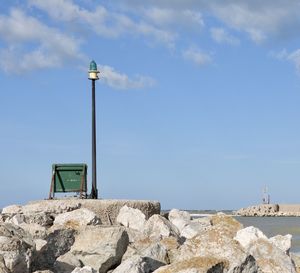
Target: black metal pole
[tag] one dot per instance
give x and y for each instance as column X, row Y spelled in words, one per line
column 94, row 164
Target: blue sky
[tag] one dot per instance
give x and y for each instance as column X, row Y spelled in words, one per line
column 197, row 105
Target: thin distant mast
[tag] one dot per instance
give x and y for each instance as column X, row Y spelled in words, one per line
column 266, row 196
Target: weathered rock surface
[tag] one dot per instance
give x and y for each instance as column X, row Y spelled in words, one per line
column 16, row 248
column 131, row 218
column 85, row 269
column 270, row 258
column 284, row 243
column 138, row 264
column 249, row 235
column 44, row 237
column 79, row 217
column 195, row 265
column 12, row 209
column 159, row 227
column 100, row 248
column 179, row 218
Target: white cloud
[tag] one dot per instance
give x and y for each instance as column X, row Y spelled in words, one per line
column 197, row 56
column 32, row 45
column 119, row 80
column 104, row 22
column 293, row 57
column 169, row 17
column 220, row 35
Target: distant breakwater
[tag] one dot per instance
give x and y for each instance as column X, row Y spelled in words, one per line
column 266, row 210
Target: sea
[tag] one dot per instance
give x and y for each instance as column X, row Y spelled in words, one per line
column 270, row 226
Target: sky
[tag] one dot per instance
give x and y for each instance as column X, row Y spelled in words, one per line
column 198, row 102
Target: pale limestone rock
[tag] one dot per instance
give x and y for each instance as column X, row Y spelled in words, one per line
column 79, row 217
column 39, row 244
column 16, row 248
column 17, row 219
column 100, row 247
column 138, row 264
column 270, row 258
column 35, row 230
column 282, row 242
column 58, row 243
column 217, row 242
column 51, row 206
column 223, row 220
column 196, row 265
column 248, row 235
column 12, row 209
column 66, row 263
column 3, row 268
column 159, row 227
column 154, row 250
column 131, row 218
column 194, row 228
column 44, row 219
column 43, row 271
column 85, row 269
column 179, row 218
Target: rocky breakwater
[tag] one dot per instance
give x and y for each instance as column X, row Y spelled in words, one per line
column 73, row 239
column 270, row 210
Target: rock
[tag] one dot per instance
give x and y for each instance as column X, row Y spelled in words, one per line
column 151, row 249
column 12, row 209
column 66, row 263
column 138, row 264
column 41, row 218
column 223, row 220
column 58, row 243
column 16, row 219
column 3, row 268
column 179, row 218
column 194, row 228
column 39, row 244
column 248, row 235
column 106, row 210
column 217, row 242
column 51, row 206
column 196, row 265
column 79, row 217
column 270, row 258
column 35, row 230
column 85, row 269
column 100, row 247
column 282, row 242
column 43, row 271
column 16, row 248
column 259, row 210
column 131, row 218
column 159, row 227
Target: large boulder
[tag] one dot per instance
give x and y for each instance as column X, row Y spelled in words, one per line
column 195, row 227
column 16, row 248
column 79, row 217
column 270, row 258
column 100, row 247
column 131, row 218
column 217, row 242
column 249, row 235
column 3, row 268
column 51, row 206
column 282, row 242
column 138, row 264
column 12, row 209
column 179, row 218
column 59, row 242
column 159, row 227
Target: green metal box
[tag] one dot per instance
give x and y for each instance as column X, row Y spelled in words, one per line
column 69, row 178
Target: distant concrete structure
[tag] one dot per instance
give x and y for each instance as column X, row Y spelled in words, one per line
column 266, row 199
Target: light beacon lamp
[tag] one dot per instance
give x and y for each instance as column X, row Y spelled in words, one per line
column 93, row 76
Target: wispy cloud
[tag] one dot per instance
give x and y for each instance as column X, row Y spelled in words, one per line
column 220, row 35
column 293, row 57
column 197, row 56
column 33, row 45
column 119, row 80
